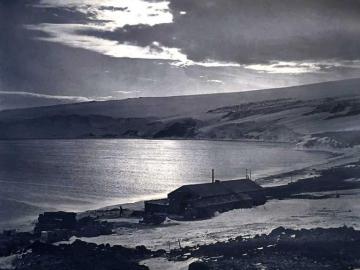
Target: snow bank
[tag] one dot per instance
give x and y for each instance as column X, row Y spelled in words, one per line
column 296, row 213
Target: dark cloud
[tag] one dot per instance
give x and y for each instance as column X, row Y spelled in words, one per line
column 25, row 63
column 242, row 31
column 254, row 31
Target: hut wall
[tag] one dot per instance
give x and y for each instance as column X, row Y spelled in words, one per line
column 178, row 201
column 258, row 197
column 156, row 207
column 208, row 210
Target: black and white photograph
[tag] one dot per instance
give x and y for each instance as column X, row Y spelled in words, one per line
column 179, row 134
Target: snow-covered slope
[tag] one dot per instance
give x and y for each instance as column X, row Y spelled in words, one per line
column 312, row 112
column 187, row 105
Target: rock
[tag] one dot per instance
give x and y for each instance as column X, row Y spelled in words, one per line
column 198, row 266
column 142, row 250
column 50, row 221
column 42, row 248
column 78, row 256
column 283, row 249
column 277, row 231
column 11, row 242
column 159, row 252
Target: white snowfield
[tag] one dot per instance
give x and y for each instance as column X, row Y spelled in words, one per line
column 294, row 213
column 189, row 106
column 327, row 112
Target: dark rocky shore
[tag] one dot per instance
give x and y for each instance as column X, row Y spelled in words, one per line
column 332, row 248
column 38, row 249
column 82, row 255
column 332, row 179
column 284, row 249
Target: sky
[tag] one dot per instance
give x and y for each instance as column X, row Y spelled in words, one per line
column 63, row 51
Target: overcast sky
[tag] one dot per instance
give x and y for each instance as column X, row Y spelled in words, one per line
column 54, row 51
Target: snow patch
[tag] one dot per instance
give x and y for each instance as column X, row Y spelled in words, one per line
column 319, row 143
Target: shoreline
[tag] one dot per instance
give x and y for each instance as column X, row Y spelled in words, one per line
column 320, row 207
column 260, row 233
column 335, row 159
column 340, row 159
column 152, row 139
column 281, row 248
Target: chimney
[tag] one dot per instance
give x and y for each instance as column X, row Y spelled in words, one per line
column 212, row 176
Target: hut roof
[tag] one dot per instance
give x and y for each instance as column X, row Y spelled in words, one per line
column 219, row 188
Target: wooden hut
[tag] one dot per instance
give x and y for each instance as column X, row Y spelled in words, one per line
column 201, row 200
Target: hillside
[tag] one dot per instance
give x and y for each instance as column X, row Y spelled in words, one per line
column 318, row 114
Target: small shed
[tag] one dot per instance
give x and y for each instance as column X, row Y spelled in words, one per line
column 157, row 206
column 50, row 221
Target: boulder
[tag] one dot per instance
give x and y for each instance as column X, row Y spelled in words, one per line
column 198, row 266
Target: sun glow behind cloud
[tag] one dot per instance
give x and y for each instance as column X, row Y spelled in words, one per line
column 68, row 34
column 110, row 15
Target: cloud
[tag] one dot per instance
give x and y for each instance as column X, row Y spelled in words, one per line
column 87, row 47
column 253, row 32
column 37, row 95
column 188, row 33
column 122, row 92
column 206, row 63
column 265, row 30
column 112, row 14
column 215, row 81
column 23, row 99
column 68, row 34
column 283, row 67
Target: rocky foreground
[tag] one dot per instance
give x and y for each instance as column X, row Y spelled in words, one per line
column 332, row 248
column 81, row 255
column 335, row 248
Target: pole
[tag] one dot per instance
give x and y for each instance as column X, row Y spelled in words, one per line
column 212, row 176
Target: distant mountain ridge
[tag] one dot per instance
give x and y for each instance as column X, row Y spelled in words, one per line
column 296, row 114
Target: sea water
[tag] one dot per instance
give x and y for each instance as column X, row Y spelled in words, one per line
column 75, row 175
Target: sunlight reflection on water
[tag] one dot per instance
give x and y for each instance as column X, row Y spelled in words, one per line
column 80, row 174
